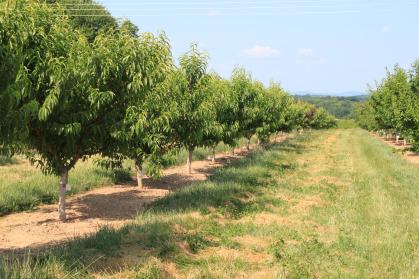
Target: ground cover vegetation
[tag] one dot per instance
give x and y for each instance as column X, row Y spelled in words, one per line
column 303, row 208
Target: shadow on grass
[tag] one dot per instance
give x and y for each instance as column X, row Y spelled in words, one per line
column 231, row 191
column 225, row 186
column 5, row 160
column 117, row 176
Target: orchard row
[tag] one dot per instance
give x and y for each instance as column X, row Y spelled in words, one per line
column 65, row 97
column 393, row 106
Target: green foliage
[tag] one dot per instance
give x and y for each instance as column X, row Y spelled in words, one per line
column 80, row 14
column 75, row 86
column 224, row 127
column 394, row 105
column 189, row 88
column 146, row 130
column 74, row 95
column 276, row 112
column 365, row 116
column 315, row 118
column 10, row 51
column 323, row 120
column 246, row 93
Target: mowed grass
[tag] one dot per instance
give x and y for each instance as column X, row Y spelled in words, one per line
column 23, row 187
column 329, row 204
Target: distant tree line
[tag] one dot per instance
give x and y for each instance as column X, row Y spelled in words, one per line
column 340, row 107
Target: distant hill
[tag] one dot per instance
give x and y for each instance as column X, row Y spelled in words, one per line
column 335, row 94
column 343, row 107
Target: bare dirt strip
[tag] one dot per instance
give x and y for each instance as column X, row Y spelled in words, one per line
column 404, row 149
column 111, row 206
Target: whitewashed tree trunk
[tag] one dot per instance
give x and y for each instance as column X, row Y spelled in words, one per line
column 189, row 161
column 139, row 171
column 213, row 155
column 404, row 142
column 61, row 199
column 397, row 139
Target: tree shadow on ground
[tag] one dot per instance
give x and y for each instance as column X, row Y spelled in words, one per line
column 227, row 190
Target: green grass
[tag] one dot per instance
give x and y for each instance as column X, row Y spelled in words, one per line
column 347, row 124
column 22, row 186
column 329, row 204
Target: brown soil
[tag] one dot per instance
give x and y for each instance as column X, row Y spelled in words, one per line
column 408, row 155
column 113, row 206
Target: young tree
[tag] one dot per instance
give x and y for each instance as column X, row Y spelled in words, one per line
column 273, row 110
column 246, row 93
column 411, row 119
column 364, row 116
column 224, row 128
column 146, row 131
column 195, row 116
column 322, row 119
column 74, row 94
column 382, row 102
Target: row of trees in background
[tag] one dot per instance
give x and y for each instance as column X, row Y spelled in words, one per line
column 67, row 94
column 340, row 107
column 393, row 106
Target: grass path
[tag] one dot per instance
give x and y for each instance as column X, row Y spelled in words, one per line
column 328, row 204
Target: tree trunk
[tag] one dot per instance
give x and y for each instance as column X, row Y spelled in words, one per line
column 213, row 155
column 139, row 171
column 248, row 144
column 189, row 160
column 397, row 139
column 404, row 142
column 61, row 199
column 232, row 151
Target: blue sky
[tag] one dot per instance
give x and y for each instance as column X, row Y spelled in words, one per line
column 324, row 46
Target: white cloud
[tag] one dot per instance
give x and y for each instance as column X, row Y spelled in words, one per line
column 262, row 51
column 305, row 53
column 308, row 56
column 386, row 29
